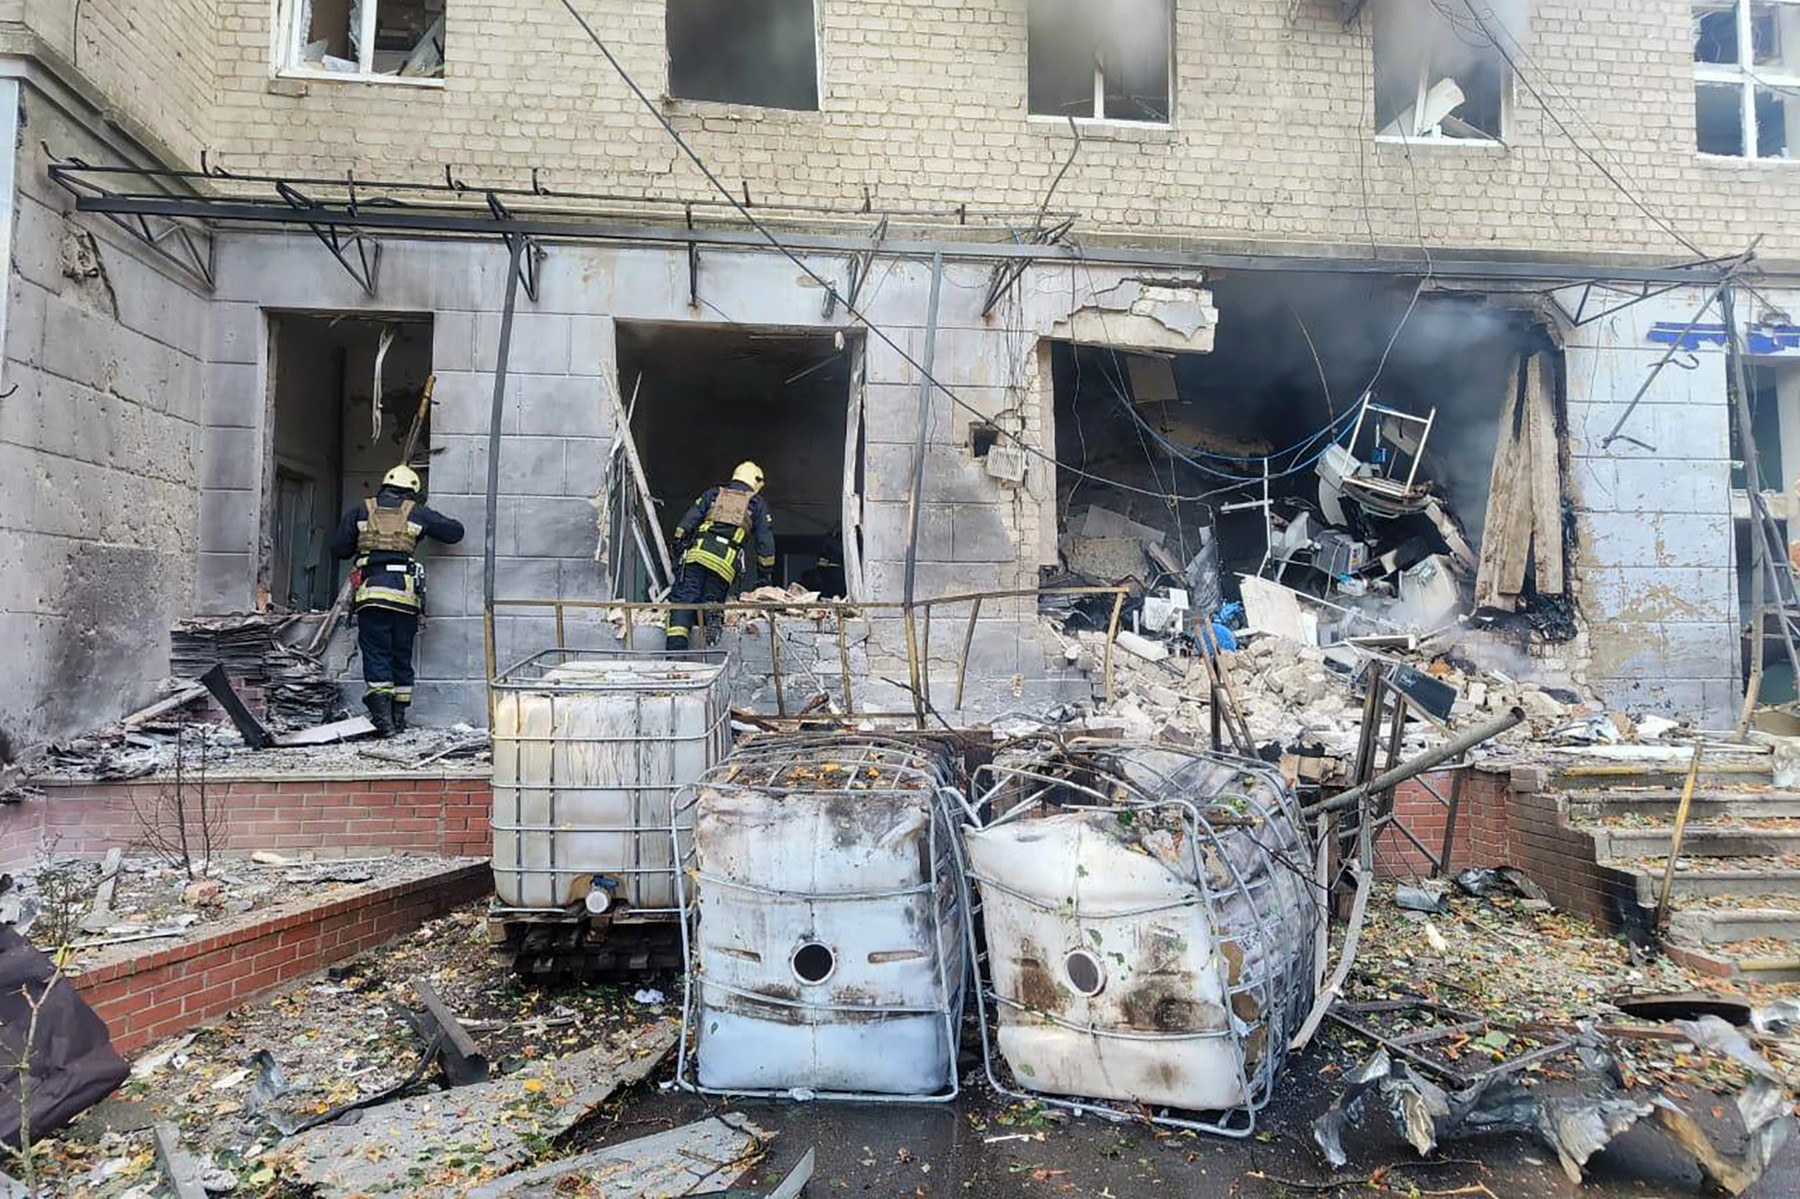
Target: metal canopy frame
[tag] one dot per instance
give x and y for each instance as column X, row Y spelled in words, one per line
column 125, row 193
column 177, row 240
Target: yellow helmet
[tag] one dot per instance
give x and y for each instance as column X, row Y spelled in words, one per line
column 403, row 477
column 749, row 473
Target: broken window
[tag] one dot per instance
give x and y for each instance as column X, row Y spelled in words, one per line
column 1439, row 72
column 399, row 39
column 1747, row 77
column 1100, row 59
column 761, row 52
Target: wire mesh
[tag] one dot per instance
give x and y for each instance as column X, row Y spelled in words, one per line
column 829, row 841
column 1228, row 833
column 590, row 748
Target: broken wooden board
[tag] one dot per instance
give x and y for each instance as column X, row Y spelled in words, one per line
column 326, row 734
column 704, row 1156
column 491, row 1125
column 163, row 707
column 1506, row 534
column 1546, row 477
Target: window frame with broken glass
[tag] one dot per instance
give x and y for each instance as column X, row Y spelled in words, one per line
column 420, row 64
column 1430, row 39
column 1098, row 104
column 1760, row 97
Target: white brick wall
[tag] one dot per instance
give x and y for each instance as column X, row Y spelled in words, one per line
column 156, row 59
column 924, row 103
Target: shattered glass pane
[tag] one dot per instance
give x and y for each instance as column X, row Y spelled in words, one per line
column 1777, row 122
column 1455, row 69
column 1719, row 118
column 1775, row 38
column 1715, row 32
column 409, row 38
column 761, row 52
column 329, row 36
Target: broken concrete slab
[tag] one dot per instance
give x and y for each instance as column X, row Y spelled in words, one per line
column 1108, row 558
column 495, row 1122
column 706, row 1155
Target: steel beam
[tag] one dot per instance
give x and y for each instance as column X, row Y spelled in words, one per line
column 464, row 223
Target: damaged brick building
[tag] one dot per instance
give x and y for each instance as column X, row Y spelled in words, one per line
column 243, row 234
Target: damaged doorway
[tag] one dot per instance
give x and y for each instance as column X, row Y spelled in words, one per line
column 333, row 442
column 1294, row 355
column 703, row 398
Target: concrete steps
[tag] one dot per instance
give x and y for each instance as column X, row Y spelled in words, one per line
column 1766, row 839
column 1736, row 892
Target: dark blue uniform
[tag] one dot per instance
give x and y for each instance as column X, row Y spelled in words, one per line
column 390, row 592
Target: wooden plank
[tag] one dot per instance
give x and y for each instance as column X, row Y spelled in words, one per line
column 1545, row 470
column 1506, row 536
column 622, row 431
column 326, row 734
column 161, row 707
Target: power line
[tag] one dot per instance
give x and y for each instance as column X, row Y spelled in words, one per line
column 776, row 243
column 1513, row 65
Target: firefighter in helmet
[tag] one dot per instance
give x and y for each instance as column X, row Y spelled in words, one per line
column 388, row 588
column 712, row 539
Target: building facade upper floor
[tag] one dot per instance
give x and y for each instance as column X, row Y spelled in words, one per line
column 1649, row 128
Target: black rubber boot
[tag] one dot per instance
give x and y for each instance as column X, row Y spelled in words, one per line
column 400, row 708
column 381, row 712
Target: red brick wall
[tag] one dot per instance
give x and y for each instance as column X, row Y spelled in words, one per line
column 1495, row 826
column 163, row 992
column 439, row 815
column 1483, row 830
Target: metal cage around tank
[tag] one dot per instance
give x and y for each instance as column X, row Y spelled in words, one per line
column 1238, row 863
column 821, row 1006
column 590, row 748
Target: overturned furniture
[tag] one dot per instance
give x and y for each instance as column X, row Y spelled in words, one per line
column 824, row 921
column 590, row 748
column 1149, row 930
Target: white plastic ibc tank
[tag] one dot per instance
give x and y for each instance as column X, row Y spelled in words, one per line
column 828, row 935
column 1148, row 928
column 589, row 752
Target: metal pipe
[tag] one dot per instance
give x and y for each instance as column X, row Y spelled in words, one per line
column 926, row 381
column 1436, row 756
column 926, row 359
column 516, row 248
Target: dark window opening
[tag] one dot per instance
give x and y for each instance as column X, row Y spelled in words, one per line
column 328, row 454
column 982, row 438
column 1099, row 59
column 1435, row 77
column 761, row 52
column 711, row 396
column 1719, row 119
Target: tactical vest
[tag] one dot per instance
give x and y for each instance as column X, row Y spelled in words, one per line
column 396, row 585
column 720, row 536
column 386, row 530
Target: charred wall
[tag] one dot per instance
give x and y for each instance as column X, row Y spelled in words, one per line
column 100, row 412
